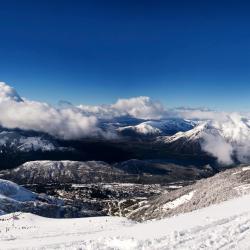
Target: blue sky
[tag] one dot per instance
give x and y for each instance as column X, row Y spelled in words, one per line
column 183, row 53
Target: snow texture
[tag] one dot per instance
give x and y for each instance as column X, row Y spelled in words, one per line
column 221, row 226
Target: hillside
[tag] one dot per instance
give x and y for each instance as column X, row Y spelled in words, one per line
column 223, row 186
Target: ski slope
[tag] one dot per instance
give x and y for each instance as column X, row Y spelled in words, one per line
column 222, row 226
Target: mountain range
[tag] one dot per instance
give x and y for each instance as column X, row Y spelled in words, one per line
column 216, row 143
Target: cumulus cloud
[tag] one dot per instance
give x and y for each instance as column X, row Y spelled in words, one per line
column 141, row 107
column 66, row 123
column 101, row 111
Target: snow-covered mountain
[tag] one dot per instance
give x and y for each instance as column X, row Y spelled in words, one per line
column 63, row 172
column 189, row 141
column 90, row 172
column 160, row 127
column 232, row 131
column 16, row 141
column 226, row 140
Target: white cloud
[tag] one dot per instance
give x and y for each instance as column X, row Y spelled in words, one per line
column 102, row 111
column 199, row 114
column 141, row 107
column 218, row 147
column 68, row 123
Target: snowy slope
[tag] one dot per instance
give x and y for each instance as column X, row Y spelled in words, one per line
column 223, row 186
column 12, row 191
column 16, row 198
column 223, row 226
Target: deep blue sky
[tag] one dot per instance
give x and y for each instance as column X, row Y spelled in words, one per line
column 194, row 53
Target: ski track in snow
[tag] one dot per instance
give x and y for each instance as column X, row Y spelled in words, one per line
column 222, row 226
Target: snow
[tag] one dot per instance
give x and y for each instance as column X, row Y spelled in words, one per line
column 222, row 226
column 175, row 186
column 36, row 144
column 10, row 190
column 17, row 198
column 179, row 201
column 243, row 169
column 246, row 168
column 243, row 188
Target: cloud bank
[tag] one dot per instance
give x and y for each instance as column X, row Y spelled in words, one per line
column 68, row 123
